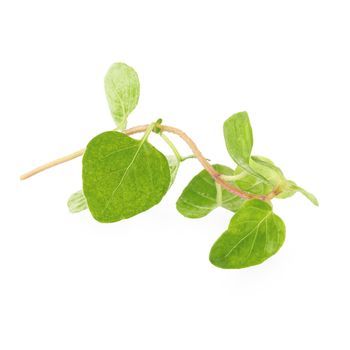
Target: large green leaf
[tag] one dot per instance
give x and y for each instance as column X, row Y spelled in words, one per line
column 201, row 196
column 122, row 176
column 255, row 233
column 122, row 88
column 239, row 141
column 77, row 202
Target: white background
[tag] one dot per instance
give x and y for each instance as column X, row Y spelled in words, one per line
column 68, row 282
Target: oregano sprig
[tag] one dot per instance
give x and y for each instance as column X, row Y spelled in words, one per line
column 123, row 176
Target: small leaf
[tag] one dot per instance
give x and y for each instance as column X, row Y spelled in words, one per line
column 290, row 187
column 123, row 177
column 255, row 233
column 307, row 194
column 122, row 89
column 199, row 197
column 266, row 168
column 239, row 138
column 77, row 202
column 174, row 165
column 239, row 141
column 267, row 163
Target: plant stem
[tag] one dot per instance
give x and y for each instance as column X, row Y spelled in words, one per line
column 52, row 164
column 218, row 194
column 76, row 154
column 234, row 177
column 188, row 157
column 197, row 153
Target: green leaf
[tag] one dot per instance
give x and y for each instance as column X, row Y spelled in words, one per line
column 255, row 233
column 307, row 194
column 239, row 138
column 200, row 196
column 266, row 168
column 123, row 177
column 239, row 141
column 77, row 202
column 267, row 163
column 289, row 188
column 122, row 88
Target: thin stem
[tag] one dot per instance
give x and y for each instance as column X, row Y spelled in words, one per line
column 206, row 165
column 188, row 157
column 234, row 177
column 172, row 146
column 53, row 163
column 148, row 132
column 76, row 154
column 218, row 194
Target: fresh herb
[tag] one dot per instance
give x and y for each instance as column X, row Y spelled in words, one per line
column 123, row 177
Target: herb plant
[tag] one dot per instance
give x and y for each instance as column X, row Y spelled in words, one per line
column 123, row 177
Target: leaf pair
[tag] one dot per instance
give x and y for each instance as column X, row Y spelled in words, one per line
column 254, row 174
column 122, row 88
column 139, row 177
column 251, row 175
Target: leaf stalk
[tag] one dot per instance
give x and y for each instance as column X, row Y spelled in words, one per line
column 172, row 146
